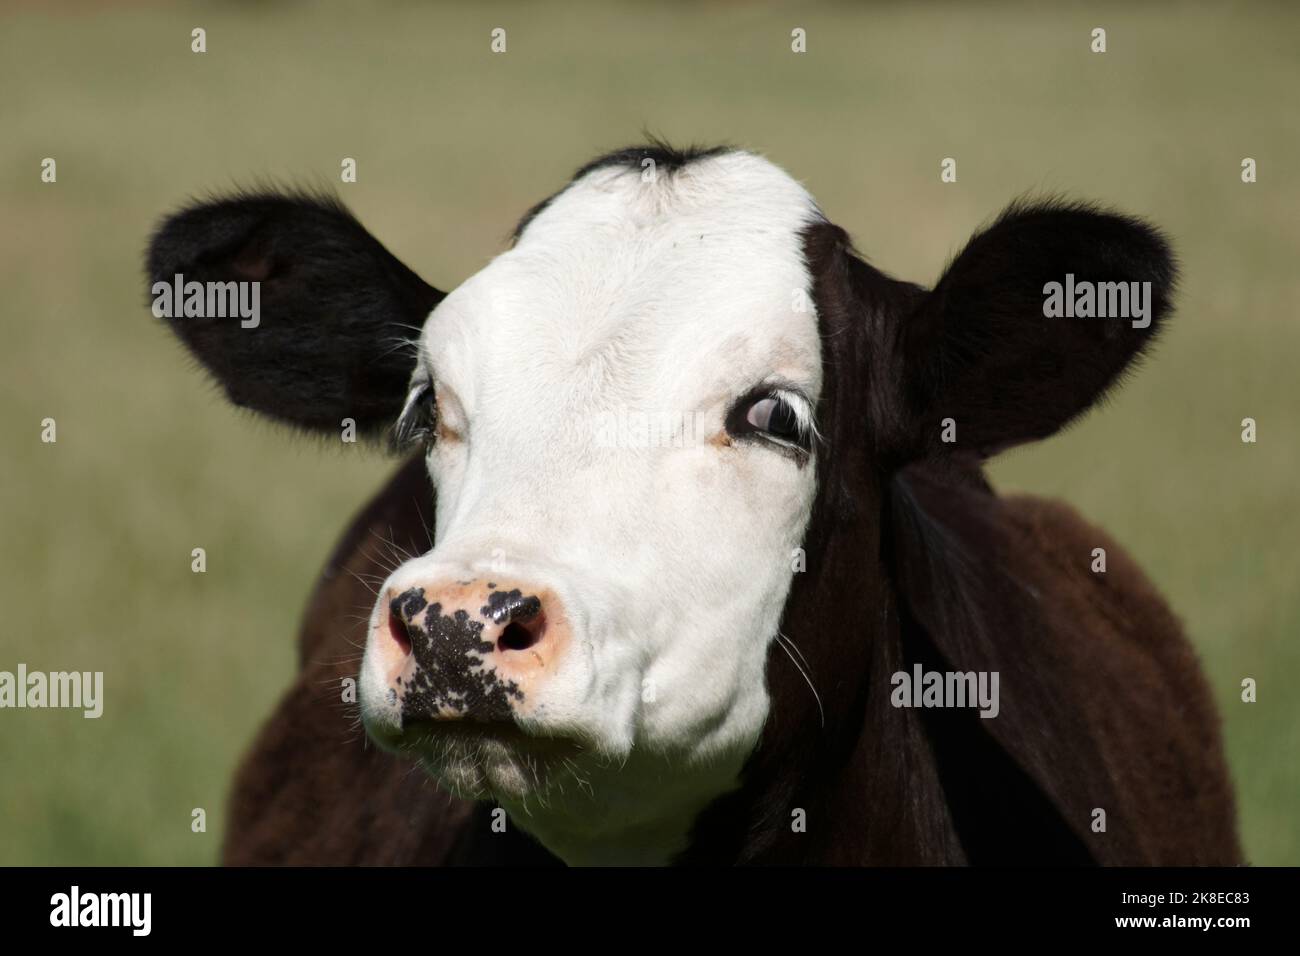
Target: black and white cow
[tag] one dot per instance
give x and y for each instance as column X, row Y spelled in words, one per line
column 683, row 642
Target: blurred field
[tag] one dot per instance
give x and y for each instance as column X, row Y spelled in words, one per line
column 453, row 144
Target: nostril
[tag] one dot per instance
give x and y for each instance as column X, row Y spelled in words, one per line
column 519, row 637
column 397, row 630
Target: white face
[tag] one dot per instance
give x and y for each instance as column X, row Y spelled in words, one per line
column 663, row 555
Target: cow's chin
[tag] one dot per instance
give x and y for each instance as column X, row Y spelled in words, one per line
column 584, row 798
column 493, row 762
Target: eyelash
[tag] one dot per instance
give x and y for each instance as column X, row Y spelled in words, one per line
column 417, row 425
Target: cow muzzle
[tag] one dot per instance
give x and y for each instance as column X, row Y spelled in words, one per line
column 460, row 651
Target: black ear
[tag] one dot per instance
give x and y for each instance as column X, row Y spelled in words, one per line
column 334, row 307
column 982, row 349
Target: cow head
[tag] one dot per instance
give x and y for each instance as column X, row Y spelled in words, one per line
column 677, row 395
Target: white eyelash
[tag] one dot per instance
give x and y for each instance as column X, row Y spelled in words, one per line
column 415, row 395
column 405, row 433
column 803, row 413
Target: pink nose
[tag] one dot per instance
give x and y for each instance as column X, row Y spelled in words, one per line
column 468, row 649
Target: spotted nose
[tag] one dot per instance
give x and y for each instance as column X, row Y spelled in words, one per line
column 471, row 650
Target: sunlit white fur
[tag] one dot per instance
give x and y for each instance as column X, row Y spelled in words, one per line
column 670, row 298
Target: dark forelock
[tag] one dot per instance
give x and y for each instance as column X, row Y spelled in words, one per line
column 667, row 159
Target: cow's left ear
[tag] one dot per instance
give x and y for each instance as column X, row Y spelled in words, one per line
column 335, row 310
column 1010, row 344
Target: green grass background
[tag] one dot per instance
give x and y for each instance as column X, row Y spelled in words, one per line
column 453, row 143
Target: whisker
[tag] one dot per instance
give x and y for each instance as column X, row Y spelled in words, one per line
column 782, row 641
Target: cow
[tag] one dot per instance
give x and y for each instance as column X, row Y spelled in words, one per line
column 710, row 496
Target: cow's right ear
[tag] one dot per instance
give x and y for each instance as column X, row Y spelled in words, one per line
column 327, row 309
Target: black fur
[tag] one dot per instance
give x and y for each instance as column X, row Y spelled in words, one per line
column 979, row 350
column 338, row 310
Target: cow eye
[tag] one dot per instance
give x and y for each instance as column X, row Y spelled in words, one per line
column 771, row 417
column 775, row 417
column 419, row 419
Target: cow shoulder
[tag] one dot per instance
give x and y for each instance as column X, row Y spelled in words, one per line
column 1148, row 702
